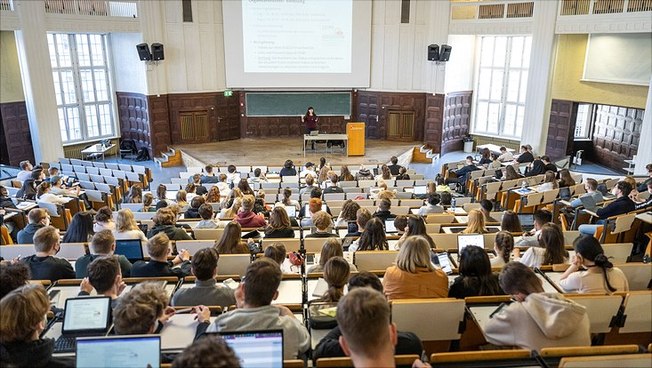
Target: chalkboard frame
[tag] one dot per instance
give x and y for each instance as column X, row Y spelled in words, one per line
column 300, row 108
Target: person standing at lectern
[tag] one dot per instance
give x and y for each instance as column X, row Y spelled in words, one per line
column 310, row 120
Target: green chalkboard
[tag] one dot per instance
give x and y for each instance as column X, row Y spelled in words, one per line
column 296, row 103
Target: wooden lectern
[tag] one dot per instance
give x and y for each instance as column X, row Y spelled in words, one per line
column 356, row 139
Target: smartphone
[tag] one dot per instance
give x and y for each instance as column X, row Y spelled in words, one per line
column 310, row 258
column 53, row 294
column 441, row 259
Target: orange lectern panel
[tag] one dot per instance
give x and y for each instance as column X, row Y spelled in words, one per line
column 356, row 144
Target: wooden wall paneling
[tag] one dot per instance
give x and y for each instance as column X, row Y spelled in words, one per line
column 228, row 117
column 372, row 108
column 457, row 112
column 133, row 116
column 433, row 121
column 561, row 129
column 159, row 123
column 203, row 103
column 368, row 112
column 616, row 135
column 18, row 139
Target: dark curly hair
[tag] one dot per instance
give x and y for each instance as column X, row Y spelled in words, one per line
column 12, row 276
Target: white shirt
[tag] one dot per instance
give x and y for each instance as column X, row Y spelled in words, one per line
column 232, row 178
column 308, row 172
column 24, row 175
column 53, row 198
column 507, row 156
column 129, row 234
column 592, row 282
column 533, row 257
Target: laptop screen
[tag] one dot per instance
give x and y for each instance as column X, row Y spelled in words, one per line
column 130, row 248
column 257, row 349
column 119, row 351
column 464, row 240
column 441, row 260
column 87, row 315
column 389, row 226
column 291, row 210
column 420, row 190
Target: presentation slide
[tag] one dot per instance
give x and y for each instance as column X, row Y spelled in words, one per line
column 297, row 44
column 86, row 314
column 297, row 36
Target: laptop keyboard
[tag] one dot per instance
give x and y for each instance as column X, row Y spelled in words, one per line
column 64, row 344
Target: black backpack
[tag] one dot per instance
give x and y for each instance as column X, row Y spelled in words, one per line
column 143, row 155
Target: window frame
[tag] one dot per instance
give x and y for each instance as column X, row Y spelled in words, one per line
column 80, row 104
column 502, row 101
column 589, row 123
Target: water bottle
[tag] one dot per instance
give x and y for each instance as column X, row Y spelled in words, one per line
column 524, row 186
column 453, row 204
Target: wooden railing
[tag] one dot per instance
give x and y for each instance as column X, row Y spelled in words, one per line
column 492, row 10
column 106, row 8
column 586, row 7
column 6, row 5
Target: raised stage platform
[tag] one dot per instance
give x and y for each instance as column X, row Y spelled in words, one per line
column 261, row 151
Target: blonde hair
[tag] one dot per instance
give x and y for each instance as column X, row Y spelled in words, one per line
column 22, row 309
column 46, row 238
column 248, row 202
column 158, row 245
column 414, row 253
column 138, row 310
column 476, row 223
column 235, row 206
column 164, row 216
column 125, row 220
column 321, row 220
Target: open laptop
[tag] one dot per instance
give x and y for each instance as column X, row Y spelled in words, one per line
column 291, row 210
column 132, row 249
column 589, row 203
column 420, row 190
column 389, row 226
column 464, row 240
column 314, row 132
column 256, row 349
column 136, row 351
column 86, row 316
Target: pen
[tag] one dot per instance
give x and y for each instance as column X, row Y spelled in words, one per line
column 184, row 310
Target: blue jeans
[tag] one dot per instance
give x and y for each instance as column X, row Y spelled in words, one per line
column 589, row 229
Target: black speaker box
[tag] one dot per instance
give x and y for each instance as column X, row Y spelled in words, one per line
column 433, row 52
column 445, row 54
column 143, row 52
column 157, row 51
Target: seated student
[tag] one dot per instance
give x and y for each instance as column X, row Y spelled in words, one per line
column 476, row 278
column 394, row 168
column 231, row 211
column 531, row 238
column 102, row 244
column 332, row 248
column 164, row 222
column 591, row 271
column 103, row 220
column 384, row 173
column 148, row 203
column 144, row 310
column 537, row 167
column 245, row 188
column 382, row 192
column 80, row 229
column 104, row 275
column 345, row 174
column 441, row 186
column 549, row 182
column 495, row 164
column 260, row 208
column 364, row 174
column 214, row 195
column 525, row 156
column 246, row 217
column 329, row 346
column 536, row 319
column 565, row 179
column 206, row 290
column 384, row 210
column 25, row 172
column 231, row 240
column 288, row 201
column 37, row 218
column 288, row 169
column 486, row 207
column 415, row 225
column 550, row 250
column 591, row 187
column 158, row 264
column 135, row 194
column 310, row 185
column 548, row 165
column 505, row 155
column 232, row 177
column 476, row 224
column 362, row 216
column 621, row 205
column 254, row 296
column 414, row 275
column 206, row 214
column 278, row 253
column 5, row 199
column 323, row 224
column 446, row 199
column 193, row 210
column 44, row 265
column 432, row 205
column 309, row 169
column 372, row 237
column 461, row 173
column 402, row 174
column 279, row 224
column 126, row 226
column 209, row 351
column 510, row 222
column 400, row 222
column 314, row 205
column 485, row 157
column 648, row 202
column 45, row 194
column 511, row 173
column 209, row 176
column 28, row 189
column 22, row 320
column 12, row 276
column 331, row 185
column 368, row 335
column 336, row 274
column 503, row 246
column 642, row 187
column 223, row 186
column 347, row 214
column 182, row 198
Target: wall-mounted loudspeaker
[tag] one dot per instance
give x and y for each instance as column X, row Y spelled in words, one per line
column 433, row 52
column 445, row 53
column 157, row 51
column 143, row 52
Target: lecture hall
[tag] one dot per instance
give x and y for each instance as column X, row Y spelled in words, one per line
column 325, row 183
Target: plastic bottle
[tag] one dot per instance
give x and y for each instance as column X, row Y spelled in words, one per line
column 453, row 204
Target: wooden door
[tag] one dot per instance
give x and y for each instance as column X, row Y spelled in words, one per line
column 400, row 125
column 561, row 129
column 194, row 126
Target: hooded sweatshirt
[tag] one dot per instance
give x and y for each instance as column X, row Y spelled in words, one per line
column 543, row 320
column 36, row 353
column 296, row 339
column 250, row 219
column 173, row 232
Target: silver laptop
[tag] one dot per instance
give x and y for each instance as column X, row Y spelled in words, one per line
column 314, row 132
column 589, row 203
column 464, row 240
column 85, row 316
column 256, row 349
column 119, row 351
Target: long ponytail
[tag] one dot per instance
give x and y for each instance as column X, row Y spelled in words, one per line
column 603, row 262
column 590, row 248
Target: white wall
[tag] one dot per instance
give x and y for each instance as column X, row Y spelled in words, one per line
column 128, row 70
column 460, row 67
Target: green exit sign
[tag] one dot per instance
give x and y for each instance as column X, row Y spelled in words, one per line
column 228, row 93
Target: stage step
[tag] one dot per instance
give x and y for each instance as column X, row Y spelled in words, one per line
column 425, row 155
column 170, row 158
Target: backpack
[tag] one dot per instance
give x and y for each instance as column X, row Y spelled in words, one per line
column 143, row 155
